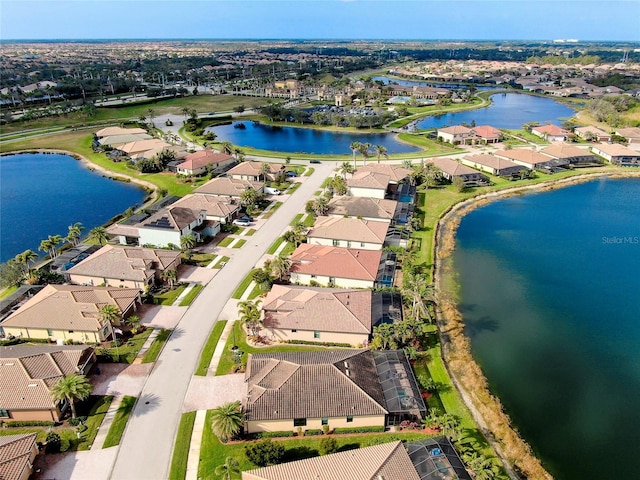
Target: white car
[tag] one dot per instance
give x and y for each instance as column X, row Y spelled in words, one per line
column 241, row 222
column 271, row 191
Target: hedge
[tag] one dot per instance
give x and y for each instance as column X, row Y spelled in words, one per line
column 313, row 432
column 30, row 423
column 359, row 430
column 324, row 344
column 258, row 435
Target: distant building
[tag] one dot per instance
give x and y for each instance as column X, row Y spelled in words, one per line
column 451, row 169
column 569, row 153
column 348, row 232
column 492, row 164
column 201, row 162
column 632, row 134
column 530, row 158
column 592, row 133
column 551, row 133
column 617, row 154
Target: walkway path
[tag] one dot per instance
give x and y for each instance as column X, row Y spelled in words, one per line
column 194, row 450
column 106, row 423
column 155, row 418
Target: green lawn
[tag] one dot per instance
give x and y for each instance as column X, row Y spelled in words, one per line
column 431, row 147
column 8, row 291
column 309, row 172
column 256, row 291
column 119, row 422
column 169, row 297
column 201, row 259
column 209, row 348
column 309, row 220
column 156, row 346
column 129, row 350
column 224, row 260
column 226, row 241
column 530, row 137
column 296, row 219
column 274, row 246
column 250, row 232
column 190, row 297
column 294, row 186
column 239, row 243
column 272, row 210
column 181, row 448
column 244, row 284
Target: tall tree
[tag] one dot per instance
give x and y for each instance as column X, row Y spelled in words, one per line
column 320, row 206
column 74, row 233
column 25, row 258
column 99, row 235
column 187, row 242
column 71, row 388
column 226, row 420
column 249, row 197
column 280, row 266
column 170, row 276
column 228, row 468
column 109, row 313
column 355, row 148
column 381, row 151
column 265, row 170
column 365, row 151
column 250, row 316
column 419, row 293
column 346, row 168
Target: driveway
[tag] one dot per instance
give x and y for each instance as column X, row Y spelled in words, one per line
column 193, row 274
column 86, row 465
column 120, row 379
column 159, row 316
column 205, row 393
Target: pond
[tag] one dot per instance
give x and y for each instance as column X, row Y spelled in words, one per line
column 41, row 194
column 451, row 86
column 507, row 110
column 304, row 140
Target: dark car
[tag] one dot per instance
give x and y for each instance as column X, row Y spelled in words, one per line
column 291, row 174
column 314, row 161
column 247, row 218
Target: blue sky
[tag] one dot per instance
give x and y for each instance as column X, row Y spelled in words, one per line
column 321, row 19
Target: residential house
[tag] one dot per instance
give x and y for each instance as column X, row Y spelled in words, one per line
column 70, row 313
column 216, row 209
column 122, row 266
column 617, row 154
column 456, row 134
column 530, row 158
column 368, row 184
column 551, row 133
column 632, row 134
column 204, row 161
column 487, row 134
column 17, row 454
column 111, row 131
column 140, row 149
column 335, row 267
column 571, row 154
column 230, row 188
column 451, row 169
column 592, row 133
column 432, row 458
column 27, row 374
column 338, row 388
column 396, row 173
column 252, row 171
column 167, row 227
column 348, row 232
column 318, row 314
column 115, row 141
column 492, row 164
column 367, row 208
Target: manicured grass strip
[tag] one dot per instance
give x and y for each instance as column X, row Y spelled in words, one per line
column 309, row 172
column 275, row 245
column 210, row 347
column 288, row 249
column 296, row 219
column 156, row 346
column 226, row 241
column 255, row 292
column 220, row 262
column 128, row 351
column 202, row 259
column 180, row 456
column 272, row 210
column 8, row 291
column 250, row 232
column 119, row 422
column 244, row 284
column 190, row 297
column 293, row 188
column 239, row 243
column 169, row 297
column 309, row 220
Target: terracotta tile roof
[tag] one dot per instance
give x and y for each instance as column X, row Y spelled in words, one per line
column 116, row 140
column 452, row 167
column 129, row 263
column 15, row 453
column 202, row 158
column 552, row 130
column 70, row 307
column 324, row 309
column 491, row 161
column 365, row 179
column 225, row 186
column 389, row 461
column 525, row 155
column 214, row 206
column 143, row 146
column 350, row 229
column 312, row 385
column 26, row 378
column 594, row 130
column 253, row 168
column 363, row 207
column 564, row 150
column 108, row 131
column 615, row 149
column 455, row 130
column 631, row 132
column 395, row 172
column 486, row 131
column 336, row 262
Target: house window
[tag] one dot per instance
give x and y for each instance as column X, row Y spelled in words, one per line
column 316, row 334
column 294, row 330
column 336, row 243
column 70, row 331
column 299, row 422
column 348, row 244
column 49, row 332
column 325, row 421
column 314, row 276
column 350, row 419
column 362, row 244
column 4, row 413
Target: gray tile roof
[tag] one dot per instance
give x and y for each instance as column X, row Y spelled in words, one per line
column 365, row 207
column 331, row 383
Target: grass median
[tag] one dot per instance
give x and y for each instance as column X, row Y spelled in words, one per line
column 210, row 348
column 119, row 422
column 180, row 455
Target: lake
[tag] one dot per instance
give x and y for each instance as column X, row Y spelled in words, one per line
column 305, row 140
column 550, row 295
column 451, row 86
column 41, row 194
column 507, row 110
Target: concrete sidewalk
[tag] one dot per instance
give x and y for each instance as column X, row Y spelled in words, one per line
column 194, row 450
column 106, row 423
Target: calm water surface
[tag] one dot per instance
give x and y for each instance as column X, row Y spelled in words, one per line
column 550, row 292
column 305, row 140
column 410, row 83
column 507, row 110
column 41, row 194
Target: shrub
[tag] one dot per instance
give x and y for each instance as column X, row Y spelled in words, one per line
column 264, row 452
column 74, row 422
column 30, row 423
column 313, row 432
column 53, row 443
column 258, row 435
column 359, row 429
column 326, row 344
column 328, row 445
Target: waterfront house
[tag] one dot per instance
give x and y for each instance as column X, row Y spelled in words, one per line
column 112, row 131
column 17, row 454
column 368, row 184
column 124, row 266
column 396, row 173
column 617, row 154
column 551, row 133
column 166, row 227
column 70, row 313
column 330, row 315
column 338, row 388
column 486, row 134
column 252, row 171
column 451, row 169
column 230, row 188
column 456, row 134
column 335, row 266
column 217, row 209
column 367, row 208
column 204, row 161
column 529, row 158
column 27, row 374
column 348, row 232
column 570, row 154
column 140, row 149
column 492, row 164
column 631, row 134
column 592, row 133
column 114, row 141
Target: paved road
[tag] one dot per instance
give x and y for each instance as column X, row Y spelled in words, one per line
column 145, row 450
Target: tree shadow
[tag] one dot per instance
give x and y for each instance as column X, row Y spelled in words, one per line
column 474, row 327
column 349, row 446
column 145, row 404
column 299, row 453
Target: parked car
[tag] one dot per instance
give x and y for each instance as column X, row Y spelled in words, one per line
column 241, row 222
column 291, row 174
column 314, row 161
column 271, row 191
column 247, row 217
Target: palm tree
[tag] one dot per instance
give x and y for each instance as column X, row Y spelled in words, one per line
column 339, row 185
column 365, row 150
column 187, row 242
column 250, row 315
column 109, row 313
column 280, row 266
column 265, row 170
column 419, row 293
column 229, row 467
column 226, row 420
column 75, row 231
column 380, row 151
column 25, row 258
column 249, row 197
column 99, row 235
column 227, row 147
column 49, row 245
column 71, row 388
column 355, row 148
column 152, row 114
column 186, row 112
column 170, row 276
column 346, row 168
column 320, row 206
